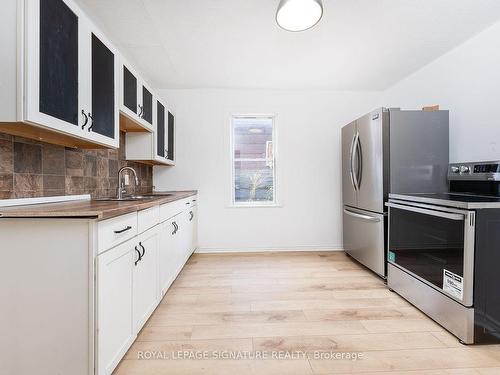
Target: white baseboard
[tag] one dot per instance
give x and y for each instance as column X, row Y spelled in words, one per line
column 204, row 250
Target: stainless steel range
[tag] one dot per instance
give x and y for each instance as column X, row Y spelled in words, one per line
column 444, row 251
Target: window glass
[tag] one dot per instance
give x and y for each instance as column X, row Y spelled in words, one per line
column 253, row 162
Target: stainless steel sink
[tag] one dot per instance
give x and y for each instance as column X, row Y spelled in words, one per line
column 114, row 199
column 129, row 198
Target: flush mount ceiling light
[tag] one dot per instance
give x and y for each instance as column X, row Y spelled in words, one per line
column 299, row 15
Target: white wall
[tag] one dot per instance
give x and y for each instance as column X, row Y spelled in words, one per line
column 467, row 82
column 309, row 177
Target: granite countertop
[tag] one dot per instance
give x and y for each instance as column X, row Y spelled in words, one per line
column 90, row 208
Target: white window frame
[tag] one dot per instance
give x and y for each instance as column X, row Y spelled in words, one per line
column 275, row 201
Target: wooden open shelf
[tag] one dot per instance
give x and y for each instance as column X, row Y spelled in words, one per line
column 129, row 125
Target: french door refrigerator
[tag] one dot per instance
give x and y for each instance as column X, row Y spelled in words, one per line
column 388, row 151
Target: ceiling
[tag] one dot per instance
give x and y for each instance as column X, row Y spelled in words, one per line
column 358, row 45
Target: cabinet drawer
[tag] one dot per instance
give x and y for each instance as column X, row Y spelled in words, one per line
column 194, row 200
column 171, row 209
column 148, row 218
column 185, row 204
column 114, row 231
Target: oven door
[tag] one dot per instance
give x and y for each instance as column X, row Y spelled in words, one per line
column 434, row 244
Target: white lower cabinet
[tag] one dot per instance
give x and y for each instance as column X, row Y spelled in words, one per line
column 133, row 275
column 193, row 229
column 114, row 306
column 167, row 256
column 188, row 238
column 145, row 277
column 88, row 300
column 180, row 241
column 186, row 235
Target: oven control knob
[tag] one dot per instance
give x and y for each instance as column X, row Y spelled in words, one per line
column 464, row 169
column 455, row 169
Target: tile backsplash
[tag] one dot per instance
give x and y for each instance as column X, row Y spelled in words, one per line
column 31, row 168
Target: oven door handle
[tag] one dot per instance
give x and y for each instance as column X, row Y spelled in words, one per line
column 446, row 215
column 361, row 216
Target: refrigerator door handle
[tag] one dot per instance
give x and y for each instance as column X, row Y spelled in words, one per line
column 359, row 155
column 354, row 154
column 351, row 161
column 361, row 216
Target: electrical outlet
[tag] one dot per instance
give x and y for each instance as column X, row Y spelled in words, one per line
column 126, row 179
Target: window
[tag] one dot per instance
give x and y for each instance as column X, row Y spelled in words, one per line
column 253, row 161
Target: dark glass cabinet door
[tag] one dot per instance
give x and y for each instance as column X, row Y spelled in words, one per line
column 171, row 136
column 426, row 245
column 160, row 129
column 147, row 102
column 58, row 95
column 103, row 89
column 129, row 90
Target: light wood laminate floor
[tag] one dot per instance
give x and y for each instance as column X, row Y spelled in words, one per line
column 308, row 303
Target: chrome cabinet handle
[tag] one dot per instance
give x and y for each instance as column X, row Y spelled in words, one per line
column 142, row 110
column 176, row 227
column 91, row 122
column 143, row 249
column 86, row 119
column 128, row 227
column 139, row 258
column 192, row 215
column 361, row 216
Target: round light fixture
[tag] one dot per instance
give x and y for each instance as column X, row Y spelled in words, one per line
column 299, row 15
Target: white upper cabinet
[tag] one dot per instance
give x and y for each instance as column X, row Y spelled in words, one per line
column 56, row 71
column 171, row 138
column 163, row 148
column 136, row 104
column 66, row 83
column 146, row 94
column 156, row 147
column 104, row 124
column 71, row 73
column 160, row 144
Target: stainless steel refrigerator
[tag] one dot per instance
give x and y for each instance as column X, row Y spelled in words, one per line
column 388, row 151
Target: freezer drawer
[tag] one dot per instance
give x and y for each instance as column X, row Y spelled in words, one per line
column 364, row 238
